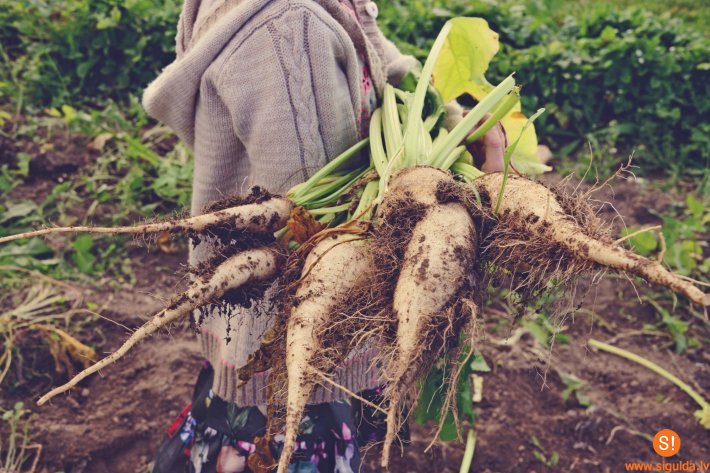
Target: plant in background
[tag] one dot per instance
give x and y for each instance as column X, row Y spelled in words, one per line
column 431, row 406
column 135, row 169
column 623, row 79
column 542, row 457
column 682, row 234
column 70, row 51
column 702, row 414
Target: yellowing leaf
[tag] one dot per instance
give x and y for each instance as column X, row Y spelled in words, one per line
column 525, row 158
column 460, row 69
column 464, row 59
column 53, row 112
column 64, row 348
column 69, row 113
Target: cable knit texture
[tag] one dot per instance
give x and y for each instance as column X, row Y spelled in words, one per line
column 266, row 92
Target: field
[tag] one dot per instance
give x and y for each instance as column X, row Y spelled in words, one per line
column 75, row 148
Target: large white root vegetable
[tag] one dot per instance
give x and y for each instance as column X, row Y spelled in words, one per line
column 435, row 270
column 258, row 264
column 334, row 269
column 263, row 217
column 531, row 209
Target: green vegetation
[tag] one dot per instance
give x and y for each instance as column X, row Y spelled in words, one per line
column 624, row 80
column 679, row 242
column 70, row 51
column 135, row 170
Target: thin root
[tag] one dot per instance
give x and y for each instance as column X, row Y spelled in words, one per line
column 350, row 393
column 266, row 216
column 257, row 264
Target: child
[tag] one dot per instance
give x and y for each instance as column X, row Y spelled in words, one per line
column 266, row 92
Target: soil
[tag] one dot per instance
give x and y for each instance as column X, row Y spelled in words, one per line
column 114, row 422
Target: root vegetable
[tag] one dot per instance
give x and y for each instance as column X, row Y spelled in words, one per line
column 532, row 210
column 434, row 272
column 335, row 267
column 253, row 265
column 264, row 217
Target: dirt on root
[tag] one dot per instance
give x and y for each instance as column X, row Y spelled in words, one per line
column 114, row 422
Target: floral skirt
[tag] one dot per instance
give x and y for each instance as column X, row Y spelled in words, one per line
column 214, row 436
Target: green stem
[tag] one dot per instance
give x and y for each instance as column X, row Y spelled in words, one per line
column 390, row 121
column 460, row 131
column 468, row 453
column 509, row 154
column 503, row 108
column 653, row 367
column 326, row 219
column 367, row 199
column 414, row 117
column 325, row 189
column 326, row 170
column 281, row 232
column 451, row 159
column 466, row 170
column 329, row 210
column 335, row 195
column 378, row 157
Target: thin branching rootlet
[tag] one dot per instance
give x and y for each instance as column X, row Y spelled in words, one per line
column 394, row 252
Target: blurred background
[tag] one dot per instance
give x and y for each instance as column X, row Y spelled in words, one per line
column 617, row 78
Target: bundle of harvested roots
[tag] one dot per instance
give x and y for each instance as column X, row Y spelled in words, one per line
column 394, row 251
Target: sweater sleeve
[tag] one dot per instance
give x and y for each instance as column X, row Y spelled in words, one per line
column 291, row 86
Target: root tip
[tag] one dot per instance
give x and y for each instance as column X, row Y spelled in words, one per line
column 43, row 400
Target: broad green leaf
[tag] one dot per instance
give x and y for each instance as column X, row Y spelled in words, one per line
column 541, row 335
column 82, row 257
column 479, row 363
column 695, row 206
column 430, row 400
column 683, row 256
column 33, row 247
column 460, row 69
column 448, row 430
column 644, row 243
column 19, row 209
column 69, row 113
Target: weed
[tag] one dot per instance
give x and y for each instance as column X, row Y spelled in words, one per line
column 574, row 385
column 539, row 453
column 14, row 438
column 135, row 170
column 544, row 331
column 42, row 309
column 682, row 234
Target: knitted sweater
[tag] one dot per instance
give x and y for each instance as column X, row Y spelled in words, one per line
column 266, row 92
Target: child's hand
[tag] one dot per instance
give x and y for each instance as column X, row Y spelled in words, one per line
column 489, row 150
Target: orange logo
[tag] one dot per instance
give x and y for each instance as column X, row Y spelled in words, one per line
column 666, row 443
